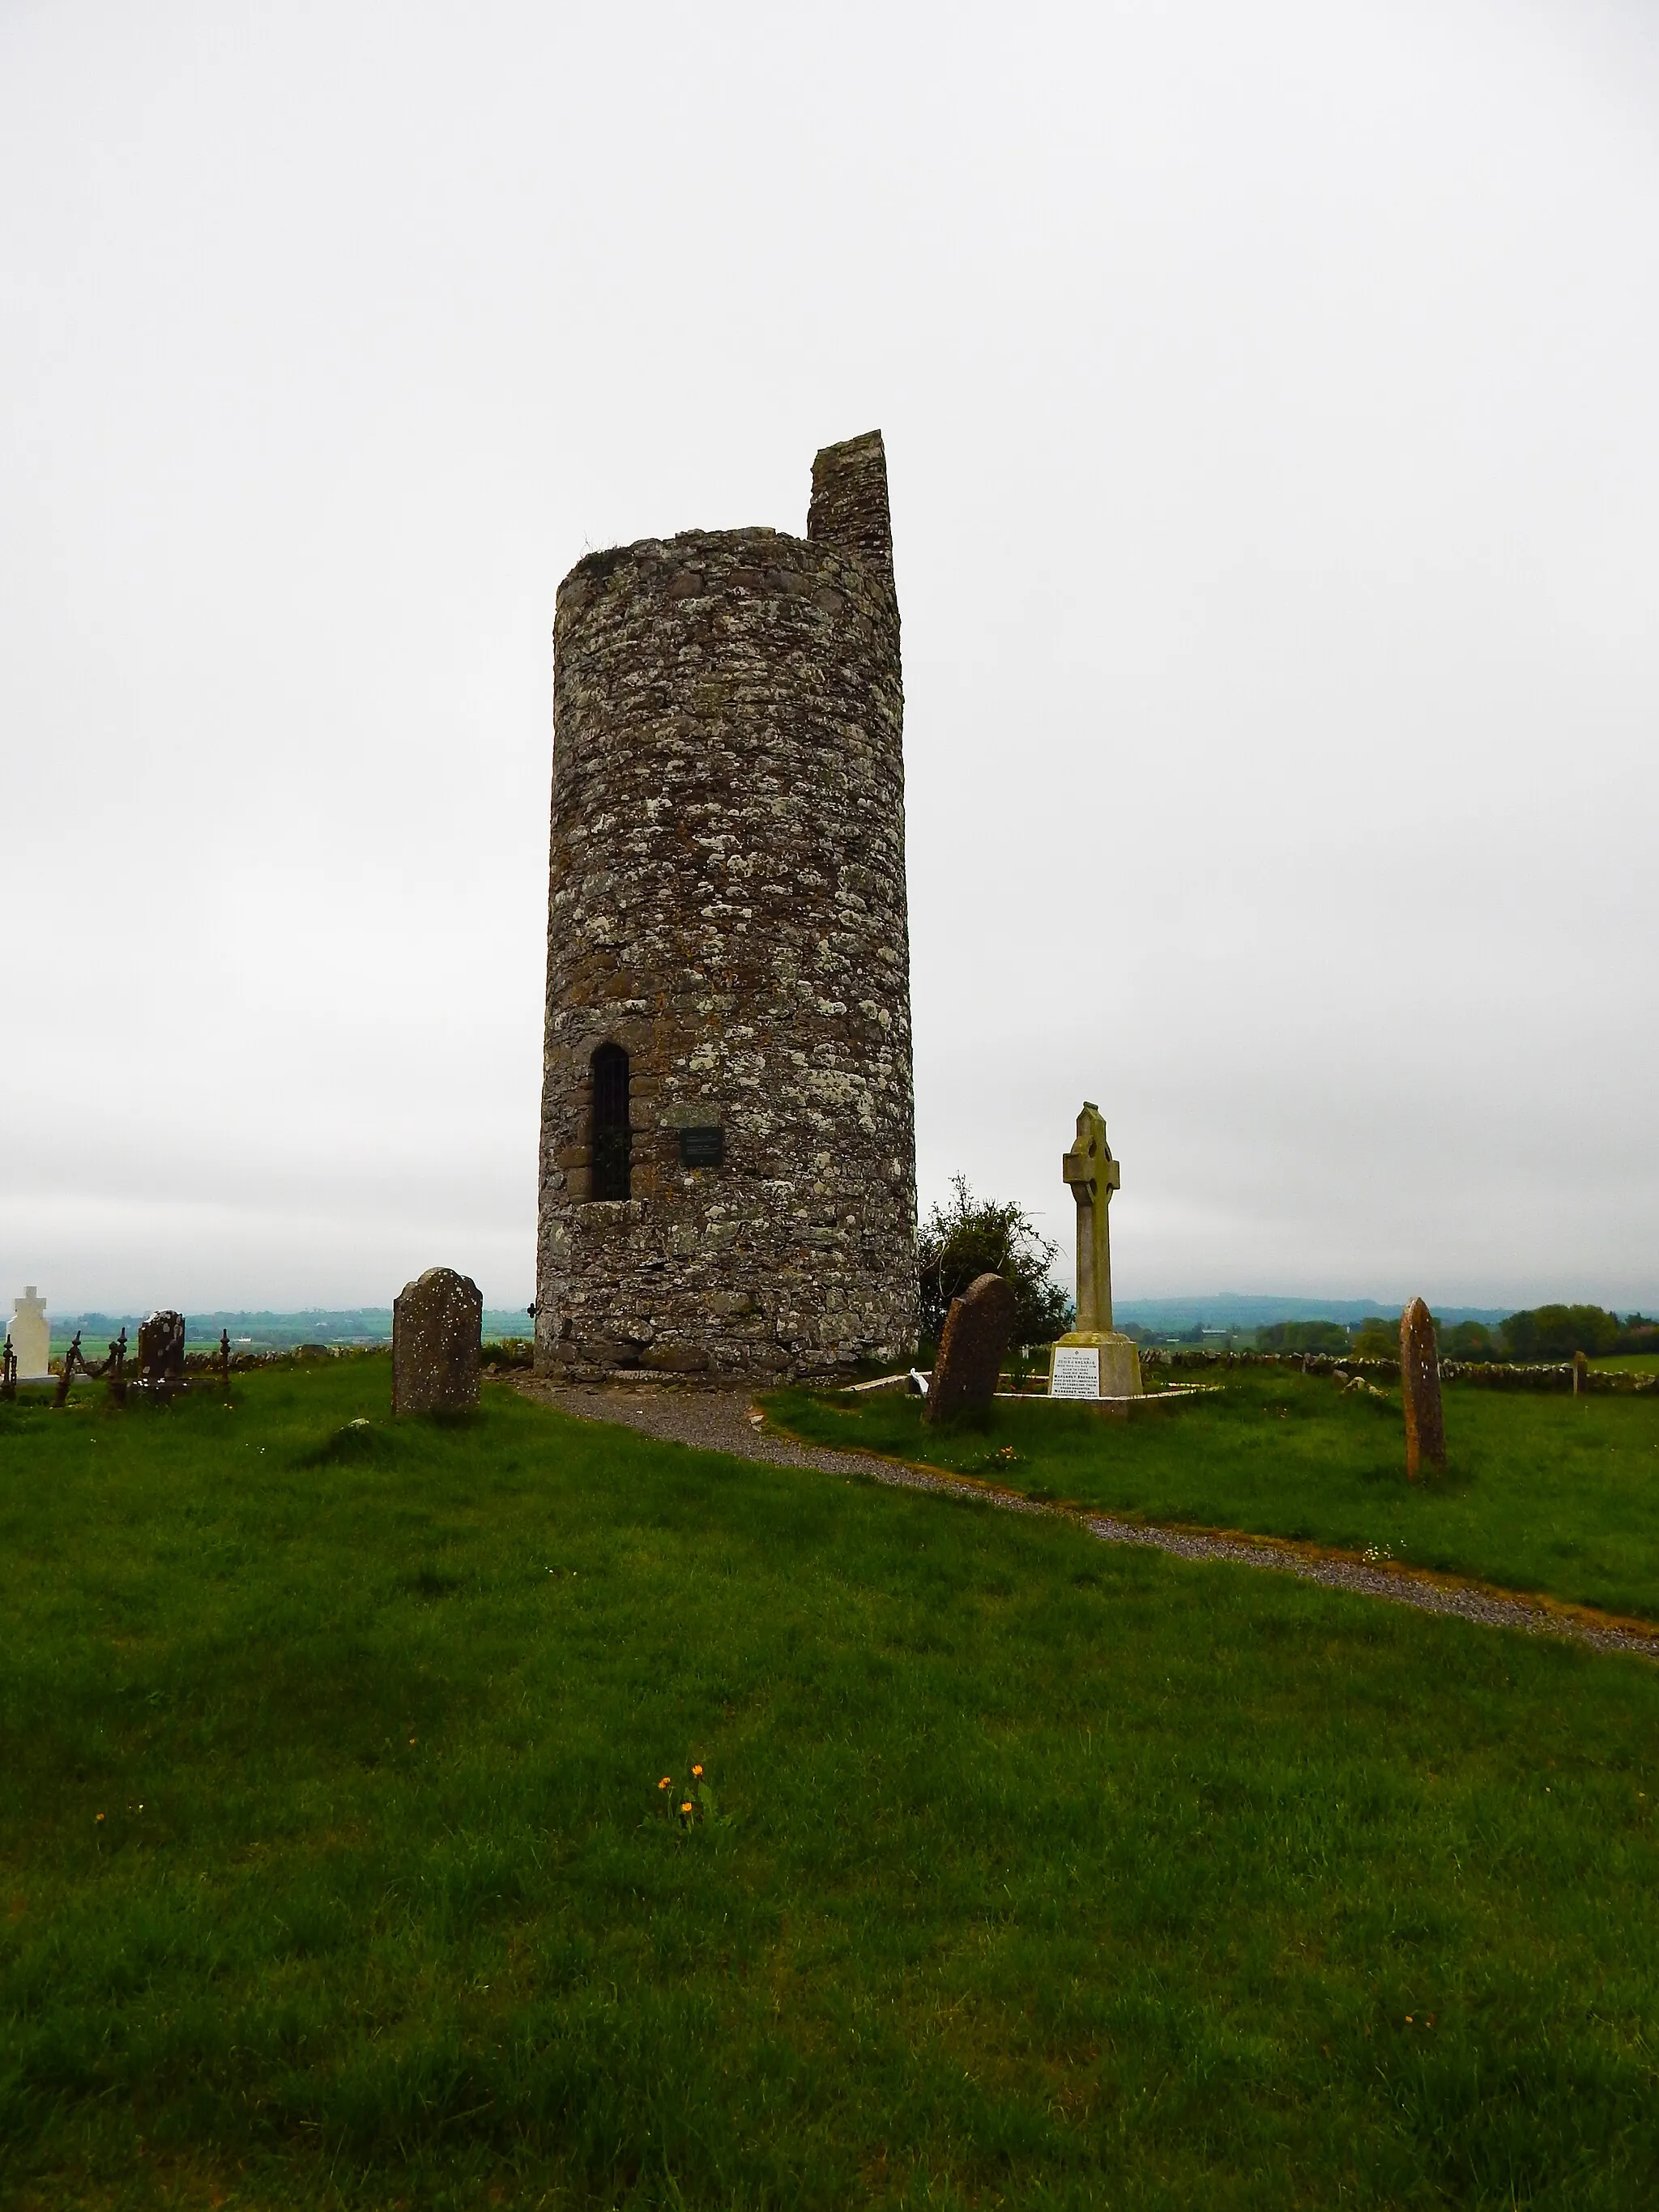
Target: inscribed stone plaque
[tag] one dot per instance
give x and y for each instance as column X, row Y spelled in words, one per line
column 1076, row 1371
column 702, row 1148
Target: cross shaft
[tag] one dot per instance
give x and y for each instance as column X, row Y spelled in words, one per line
column 1092, row 1175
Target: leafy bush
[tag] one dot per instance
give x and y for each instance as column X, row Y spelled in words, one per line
column 970, row 1236
column 1469, row 1339
column 1377, row 1338
column 1304, row 1336
column 508, row 1351
column 1557, row 1332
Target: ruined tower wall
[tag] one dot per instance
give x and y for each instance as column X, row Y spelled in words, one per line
column 728, row 905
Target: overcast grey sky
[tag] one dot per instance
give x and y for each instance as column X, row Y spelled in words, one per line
column 1271, row 406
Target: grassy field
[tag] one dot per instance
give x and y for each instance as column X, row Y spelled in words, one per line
column 1541, row 1492
column 335, row 1871
column 1630, row 1363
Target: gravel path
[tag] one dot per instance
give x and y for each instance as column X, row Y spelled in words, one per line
column 728, row 1421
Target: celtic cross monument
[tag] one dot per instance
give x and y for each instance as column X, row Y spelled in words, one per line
column 31, row 1336
column 1093, row 1361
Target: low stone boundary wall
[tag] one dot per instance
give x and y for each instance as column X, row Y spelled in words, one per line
column 241, row 1362
column 1488, row 1375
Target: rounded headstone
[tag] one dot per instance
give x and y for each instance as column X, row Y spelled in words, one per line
column 161, row 1348
column 437, row 1329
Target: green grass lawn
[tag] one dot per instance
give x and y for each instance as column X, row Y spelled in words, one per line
column 335, row 1871
column 1541, row 1492
column 1629, row 1363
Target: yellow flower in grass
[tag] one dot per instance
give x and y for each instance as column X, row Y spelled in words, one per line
column 664, row 1783
column 696, row 1774
column 686, row 1807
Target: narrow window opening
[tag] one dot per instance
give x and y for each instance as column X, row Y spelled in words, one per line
column 613, row 1138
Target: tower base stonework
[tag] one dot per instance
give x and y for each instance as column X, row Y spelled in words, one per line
column 727, row 1185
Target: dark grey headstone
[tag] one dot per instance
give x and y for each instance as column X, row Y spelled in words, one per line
column 437, row 1326
column 971, row 1346
column 161, row 1349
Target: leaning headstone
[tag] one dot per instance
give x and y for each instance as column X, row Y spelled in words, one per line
column 970, row 1349
column 437, row 1329
column 30, row 1337
column 1420, row 1386
column 162, row 1350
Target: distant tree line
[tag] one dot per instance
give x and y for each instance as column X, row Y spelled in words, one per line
column 1540, row 1333
column 1557, row 1332
column 1304, row 1336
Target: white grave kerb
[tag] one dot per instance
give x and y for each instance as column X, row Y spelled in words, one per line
column 30, row 1337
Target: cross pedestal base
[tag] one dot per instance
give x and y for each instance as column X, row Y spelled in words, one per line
column 1114, row 1370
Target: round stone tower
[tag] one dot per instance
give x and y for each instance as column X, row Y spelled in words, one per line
column 728, row 1151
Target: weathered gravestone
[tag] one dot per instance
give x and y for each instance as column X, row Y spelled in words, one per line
column 437, row 1329
column 30, row 1337
column 970, row 1348
column 1419, row 1387
column 162, row 1350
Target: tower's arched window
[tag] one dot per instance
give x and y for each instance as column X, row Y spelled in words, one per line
column 612, row 1139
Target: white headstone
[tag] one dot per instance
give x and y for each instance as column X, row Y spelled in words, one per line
column 1076, row 1371
column 30, row 1337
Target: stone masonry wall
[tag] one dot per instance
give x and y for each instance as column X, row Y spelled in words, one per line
column 1490, row 1375
column 728, row 904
